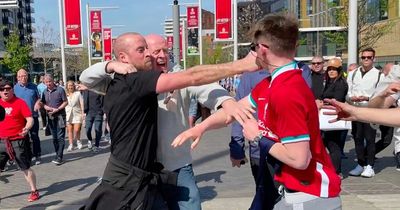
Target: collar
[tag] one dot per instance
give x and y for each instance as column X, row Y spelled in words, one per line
column 282, row 69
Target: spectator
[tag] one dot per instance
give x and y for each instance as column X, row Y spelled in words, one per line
column 74, row 116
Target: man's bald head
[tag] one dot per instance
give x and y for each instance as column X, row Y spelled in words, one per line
column 132, row 48
column 158, row 48
column 22, row 77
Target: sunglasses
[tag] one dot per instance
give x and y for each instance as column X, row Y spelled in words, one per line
column 317, row 63
column 6, row 88
column 332, row 69
column 367, row 57
column 253, row 46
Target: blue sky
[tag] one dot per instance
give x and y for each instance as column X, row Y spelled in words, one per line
column 143, row 16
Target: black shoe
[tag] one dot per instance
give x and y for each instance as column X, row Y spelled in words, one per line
column 57, row 161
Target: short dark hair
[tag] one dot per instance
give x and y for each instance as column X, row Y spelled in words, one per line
column 368, row 49
column 5, row 82
column 281, row 30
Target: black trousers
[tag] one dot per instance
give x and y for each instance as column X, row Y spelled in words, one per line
column 386, row 138
column 333, row 141
column 365, row 154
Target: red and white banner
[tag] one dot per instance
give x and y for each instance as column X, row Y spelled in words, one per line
column 192, row 15
column 72, row 23
column 96, row 34
column 107, row 41
column 223, row 20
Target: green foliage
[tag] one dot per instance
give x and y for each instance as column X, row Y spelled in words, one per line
column 16, row 55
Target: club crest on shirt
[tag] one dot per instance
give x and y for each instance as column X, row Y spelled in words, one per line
column 265, row 131
column 8, row 110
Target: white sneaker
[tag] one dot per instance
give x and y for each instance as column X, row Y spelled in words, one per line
column 356, row 171
column 89, row 144
column 368, row 172
column 95, row 149
column 70, row 148
column 79, row 144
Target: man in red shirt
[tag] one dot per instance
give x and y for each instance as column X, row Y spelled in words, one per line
column 14, row 143
column 288, row 126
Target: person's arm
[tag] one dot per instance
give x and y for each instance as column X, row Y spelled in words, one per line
column 384, row 99
column 2, row 113
column 341, row 91
column 81, row 105
column 204, row 74
column 38, row 105
column 98, row 76
column 28, row 126
column 388, row 117
column 217, row 120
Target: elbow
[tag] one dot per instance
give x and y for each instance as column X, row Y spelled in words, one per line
column 302, row 164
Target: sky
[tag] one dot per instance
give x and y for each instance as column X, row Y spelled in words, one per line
column 143, row 16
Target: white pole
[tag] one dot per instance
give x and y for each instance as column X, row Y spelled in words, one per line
column 60, row 15
column 352, row 36
column 200, row 32
column 184, row 48
column 235, row 31
column 88, row 35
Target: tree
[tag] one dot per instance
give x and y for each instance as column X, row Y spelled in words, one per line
column 46, row 39
column 76, row 60
column 370, row 30
column 16, row 56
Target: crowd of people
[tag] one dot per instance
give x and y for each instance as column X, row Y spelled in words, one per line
column 146, row 102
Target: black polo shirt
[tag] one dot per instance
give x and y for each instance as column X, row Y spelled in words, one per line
column 131, row 108
column 54, row 98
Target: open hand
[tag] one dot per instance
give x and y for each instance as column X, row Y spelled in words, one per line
column 194, row 133
column 120, row 68
column 235, row 110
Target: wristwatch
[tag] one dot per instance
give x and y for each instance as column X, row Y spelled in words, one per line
column 257, row 138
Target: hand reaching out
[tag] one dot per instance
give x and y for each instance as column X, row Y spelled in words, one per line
column 342, row 110
column 194, row 133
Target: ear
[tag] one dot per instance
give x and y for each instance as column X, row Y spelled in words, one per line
column 123, row 57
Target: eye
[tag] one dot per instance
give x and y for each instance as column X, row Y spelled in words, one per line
column 156, row 52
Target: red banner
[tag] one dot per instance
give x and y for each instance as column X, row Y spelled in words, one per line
column 96, row 34
column 72, row 23
column 223, row 19
column 192, row 17
column 107, row 41
column 180, row 42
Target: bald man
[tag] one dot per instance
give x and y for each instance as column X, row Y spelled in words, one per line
column 28, row 92
column 132, row 107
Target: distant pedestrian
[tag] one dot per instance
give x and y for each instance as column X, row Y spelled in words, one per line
column 55, row 101
column 74, row 116
column 41, row 87
column 93, row 109
column 28, row 92
column 14, row 143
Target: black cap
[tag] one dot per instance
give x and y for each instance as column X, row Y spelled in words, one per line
column 2, row 113
column 4, row 83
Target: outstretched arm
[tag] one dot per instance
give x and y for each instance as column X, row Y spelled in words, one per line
column 204, row 74
column 217, row 120
column 388, row 117
column 98, row 76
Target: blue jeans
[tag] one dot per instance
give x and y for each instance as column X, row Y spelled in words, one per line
column 57, row 128
column 34, row 134
column 186, row 194
column 97, row 120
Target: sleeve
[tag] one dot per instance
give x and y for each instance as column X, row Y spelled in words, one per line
column 291, row 122
column 96, row 78
column 26, row 112
column 210, row 95
column 63, row 94
column 306, row 74
column 253, row 96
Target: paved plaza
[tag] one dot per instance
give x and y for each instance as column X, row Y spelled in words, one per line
column 66, row 187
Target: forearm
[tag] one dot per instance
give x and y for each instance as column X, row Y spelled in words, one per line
column 95, row 77
column 29, row 123
column 377, row 102
column 215, row 121
column 63, row 105
column 292, row 156
column 388, row 117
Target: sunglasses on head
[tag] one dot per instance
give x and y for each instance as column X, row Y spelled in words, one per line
column 5, row 88
column 253, row 46
column 367, row 57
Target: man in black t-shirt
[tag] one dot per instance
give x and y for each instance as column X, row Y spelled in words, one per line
column 131, row 107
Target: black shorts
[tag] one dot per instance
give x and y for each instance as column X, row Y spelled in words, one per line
column 23, row 153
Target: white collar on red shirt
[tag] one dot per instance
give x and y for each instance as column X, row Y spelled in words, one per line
column 282, row 69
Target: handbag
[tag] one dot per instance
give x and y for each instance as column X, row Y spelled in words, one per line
column 266, row 193
column 325, row 125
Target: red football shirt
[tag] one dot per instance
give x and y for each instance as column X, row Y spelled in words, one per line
column 287, row 113
column 16, row 112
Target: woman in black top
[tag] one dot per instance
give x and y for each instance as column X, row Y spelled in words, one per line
column 335, row 87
